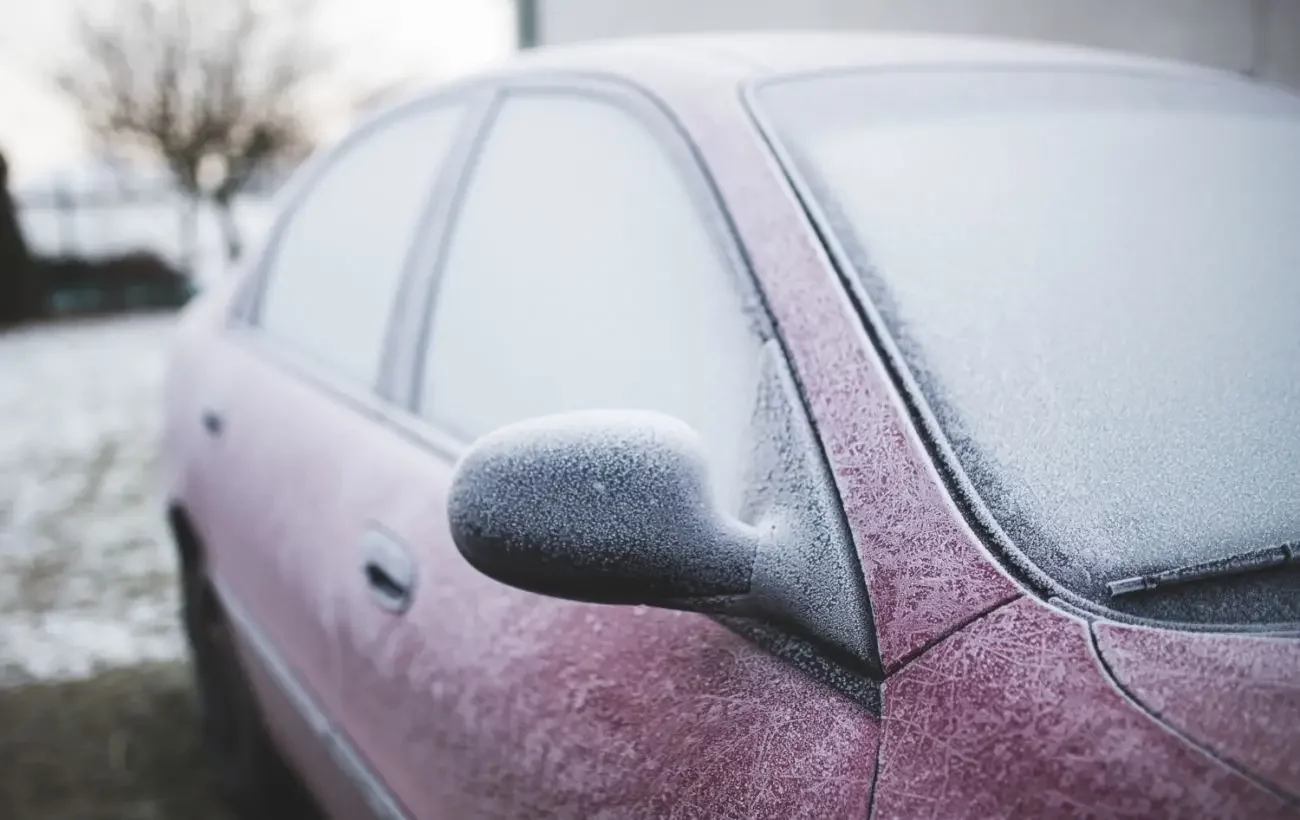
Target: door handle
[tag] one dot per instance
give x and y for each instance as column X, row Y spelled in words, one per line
column 389, row 570
column 212, row 422
column 388, row 587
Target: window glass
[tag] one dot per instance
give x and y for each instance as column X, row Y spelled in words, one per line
column 1094, row 279
column 337, row 265
column 581, row 274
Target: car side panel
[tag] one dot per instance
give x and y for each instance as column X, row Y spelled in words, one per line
column 1014, row 716
column 282, row 528
column 486, row 701
column 191, row 370
column 299, row 738
column 282, row 518
column 230, row 510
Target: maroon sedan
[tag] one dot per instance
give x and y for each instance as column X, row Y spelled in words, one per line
column 761, row 426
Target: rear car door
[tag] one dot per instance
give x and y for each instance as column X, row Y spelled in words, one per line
column 297, row 385
column 587, row 266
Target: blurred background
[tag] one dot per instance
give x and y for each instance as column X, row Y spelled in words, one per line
column 142, row 145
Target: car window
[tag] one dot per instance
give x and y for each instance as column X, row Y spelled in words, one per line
column 1093, row 278
column 336, row 267
column 582, row 274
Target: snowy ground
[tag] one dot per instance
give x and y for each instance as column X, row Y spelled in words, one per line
column 86, row 573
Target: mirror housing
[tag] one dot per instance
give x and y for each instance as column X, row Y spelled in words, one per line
column 609, row 507
column 615, row 507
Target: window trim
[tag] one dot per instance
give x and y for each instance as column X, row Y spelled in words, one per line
column 242, row 322
column 668, row 132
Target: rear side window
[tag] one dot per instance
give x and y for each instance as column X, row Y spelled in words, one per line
column 583, row 274
column 336, row 267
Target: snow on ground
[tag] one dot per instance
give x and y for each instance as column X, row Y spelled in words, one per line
column 86, row 570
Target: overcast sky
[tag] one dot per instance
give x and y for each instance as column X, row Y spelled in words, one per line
column 378, row 40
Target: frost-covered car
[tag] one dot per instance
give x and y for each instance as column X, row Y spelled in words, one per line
column 762, row 426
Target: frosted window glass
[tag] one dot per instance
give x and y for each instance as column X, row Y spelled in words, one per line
column 582, row 275
column 339, row 261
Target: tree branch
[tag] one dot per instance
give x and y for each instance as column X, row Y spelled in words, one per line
column 197, row 85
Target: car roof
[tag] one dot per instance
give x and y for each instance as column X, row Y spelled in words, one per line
column 683, row 66
column 755, row 55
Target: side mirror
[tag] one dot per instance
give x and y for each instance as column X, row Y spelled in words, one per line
column 603, row 506
column 616, row 507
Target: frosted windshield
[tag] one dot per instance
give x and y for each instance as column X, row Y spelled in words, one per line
column 1095, row 282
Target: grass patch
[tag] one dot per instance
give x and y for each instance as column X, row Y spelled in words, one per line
column 123, row 745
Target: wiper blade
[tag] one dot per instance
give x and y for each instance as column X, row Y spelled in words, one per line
column 1254, row 561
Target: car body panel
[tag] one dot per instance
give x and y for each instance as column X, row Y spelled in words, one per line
column 296, row 723
column 1238, row 695
column 1015, row 717
column 283, row 531
column 482, row 700
column 189, row 383
column 199, row 473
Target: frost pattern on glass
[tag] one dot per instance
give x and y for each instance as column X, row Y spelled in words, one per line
column 1014, row 717
column 926, row 573
column 1094, row 281
column 335, row 270
column 1236, row 694
column 581, row 275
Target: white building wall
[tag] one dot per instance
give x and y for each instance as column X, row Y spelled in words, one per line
column 566, row 21
column 1262, row 36
column 1280, row 43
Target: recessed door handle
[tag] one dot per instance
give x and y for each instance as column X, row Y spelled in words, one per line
column 385, row 584
column 389, row 570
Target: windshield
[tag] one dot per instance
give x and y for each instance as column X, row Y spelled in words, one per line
column 1094, row 282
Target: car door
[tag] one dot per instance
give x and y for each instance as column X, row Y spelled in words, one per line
column 587, row 266
column 291, row 404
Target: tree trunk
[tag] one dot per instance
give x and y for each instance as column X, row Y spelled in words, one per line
column 230, row 231
column 190, row 237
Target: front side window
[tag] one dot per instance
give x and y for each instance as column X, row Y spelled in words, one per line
column 582, row 274
column 1094, row 281
column 334, row 271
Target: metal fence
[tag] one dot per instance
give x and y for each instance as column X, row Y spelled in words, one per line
column 101, row 221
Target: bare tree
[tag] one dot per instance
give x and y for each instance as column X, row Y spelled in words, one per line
column 214, row 89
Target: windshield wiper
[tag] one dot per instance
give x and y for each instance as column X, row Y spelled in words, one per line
column 1254, row 561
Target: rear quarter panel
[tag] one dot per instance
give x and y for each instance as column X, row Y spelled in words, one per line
column 190, row 370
